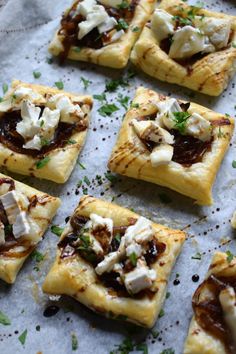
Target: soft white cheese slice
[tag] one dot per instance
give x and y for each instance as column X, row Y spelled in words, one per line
column 162, row 24
column 2, row 234
column 107, row 25
column 85, row 7
column 166, row 108
column 140, row 232
column 21, row 226
column 4, row 188
column 227, row 299
column 186, row 42
column 10, row 204
column 48, row 122
column 29, row 126
column 233, row 220
column 161, row 155
column 198, row 127
column 117, row 35
column 150, row 130
column 6, row 104
column 98, row 221
column 111, row 3
column 139, row 279
column 217, row 29
column 93, row 20
column 34, row 143
column 68, row 110
column 26, row 92
column 134, row 248
column 108, row 263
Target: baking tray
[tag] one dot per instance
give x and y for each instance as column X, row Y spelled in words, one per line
column 26, row 27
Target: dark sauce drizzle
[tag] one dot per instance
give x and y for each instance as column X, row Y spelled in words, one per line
column 69, row 247
column 14, row 141
column 209, row 313
column 69, row 28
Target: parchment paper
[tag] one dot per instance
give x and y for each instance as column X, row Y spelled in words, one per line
column 26, row 27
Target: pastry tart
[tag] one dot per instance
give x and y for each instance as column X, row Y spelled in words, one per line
column 188, row 46
column 213, row 327
column 42, row 130
column 114, row 261
column 25, row 214
column 101, row 32
column 176, row 144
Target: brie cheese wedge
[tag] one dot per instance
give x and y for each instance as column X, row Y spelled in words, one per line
column 166, row 108
column 151, row 131
column 93, row 20
column 161, row 155
column 162, row 24
column 198, row 127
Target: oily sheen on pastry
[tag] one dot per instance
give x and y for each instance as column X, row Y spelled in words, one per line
column 101, row 32
column 25, row 214
column 42, row 130
column 114, row 261
column 176, row 144
column 213, row 327
column 188, row 46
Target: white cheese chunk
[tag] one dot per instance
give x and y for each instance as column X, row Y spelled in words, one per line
column 29, row 125
column 68, row 110
column 34, row 143
column 108, row 263
column 150, row 130
column 134, row 248
column 217, row 29
column 198, row 127
column 10, row 204
column 98, row 221
column 162, row 24
column 4, row 188
column 140, row 232
column 111, row 3
column 21, row 226
column 26, row 92
column 186, row 42
column 48, row 122
column 85, row 7
column 233, row 220
column 6, row 104
column 166, row 109
column 2, row 234
column 227, row 299
column 161, row 155
column 107, row 25
column 139, row 279
column 117, row 35
column 93, row 19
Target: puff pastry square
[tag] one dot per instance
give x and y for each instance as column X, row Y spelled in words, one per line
column 57, row 157
column 131, row 157
column 115, row 54
column 212, row 329
column 208, row 74
column 39, row 209
column 76, row 277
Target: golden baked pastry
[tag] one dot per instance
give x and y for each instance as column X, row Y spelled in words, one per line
column 25, row 214
column 114, row 261
column 105, row 43
column 43, row 130
column 176, row 144
column 213, row 327
column 164, row 52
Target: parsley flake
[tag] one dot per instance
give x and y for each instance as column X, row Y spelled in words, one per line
column 230, row 256
column 197, row 256
column 161, row 314
column 122, row 24
column 22, row 337
column 101, row 97
column 36, row 74
column 180, row 119
column 43, row 162
column 71, row 141
column 123, row 5
column 107, row 109
column 81, row 165
column 59, row 85
column 4, row 320
column 135, row 29
column 85, row 82
column 112, row 178
column 168, row 351
column 133, row 259
column 123, row 100
column 234, row 164
column 37, row 256
column 57, row 230
column 87, row 181
column 74, row 342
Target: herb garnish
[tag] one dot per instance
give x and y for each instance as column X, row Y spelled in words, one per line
column 37, row 256
column 112, row 178
column 74, row 342
column 107, row 109
column 180, row 119
column 123, row 100
column 182, row 20
column 59, row 85
column 197, row 256
column 87, row 181
column 168, row 351
column 22, row 337
column 135, row 29
column 134, row 105
column 122, row 24
column 161, row 314
column 4, row 320
column 4, row 88
column 44, row 142
column 81, row 165
column 133, row 259
column 101, row 97
column 57, row 230
column 230, row 256
column 36, row 74
column 43, row 162
column 85, row 82
column 71, row 141
column 234, row 164
column 123, row 5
